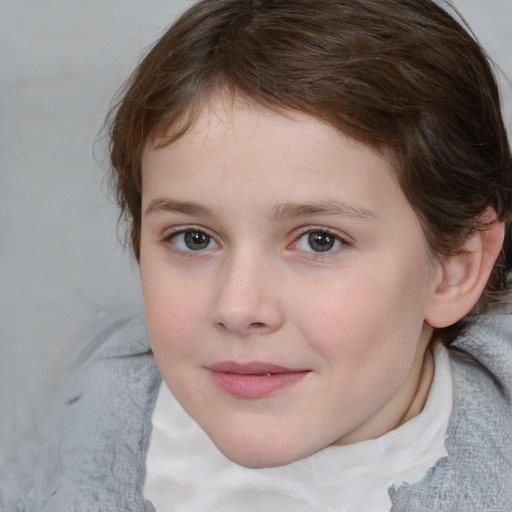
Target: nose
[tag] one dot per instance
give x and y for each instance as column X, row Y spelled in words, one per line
column 248, row 297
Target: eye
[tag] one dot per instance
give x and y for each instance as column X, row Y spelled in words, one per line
column 192, row 240
column 319, row 241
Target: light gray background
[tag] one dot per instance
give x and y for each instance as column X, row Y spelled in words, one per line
column 61, row 264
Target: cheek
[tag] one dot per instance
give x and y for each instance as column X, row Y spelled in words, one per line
column 173, row 306
column 367, row 319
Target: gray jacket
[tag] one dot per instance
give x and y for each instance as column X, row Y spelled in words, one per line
column 89, row 453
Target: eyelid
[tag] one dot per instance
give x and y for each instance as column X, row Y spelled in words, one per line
column 172, row 232
column 323, row 229
column 169, row 232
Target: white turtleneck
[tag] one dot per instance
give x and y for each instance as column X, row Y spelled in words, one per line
column 186, row 472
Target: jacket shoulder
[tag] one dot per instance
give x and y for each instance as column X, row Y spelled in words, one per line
column 89, row 446
column 477, row 473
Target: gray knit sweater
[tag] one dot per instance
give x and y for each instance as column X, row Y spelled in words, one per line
column 89, row 452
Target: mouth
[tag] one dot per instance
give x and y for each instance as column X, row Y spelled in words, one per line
column 254, row 380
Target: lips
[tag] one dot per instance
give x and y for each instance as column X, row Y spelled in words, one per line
column 254, row 380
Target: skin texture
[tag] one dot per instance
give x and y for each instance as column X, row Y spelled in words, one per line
column 257, row 183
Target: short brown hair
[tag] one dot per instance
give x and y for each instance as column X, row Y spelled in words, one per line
column 401, row 76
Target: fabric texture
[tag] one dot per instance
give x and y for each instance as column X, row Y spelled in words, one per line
column 90, row 449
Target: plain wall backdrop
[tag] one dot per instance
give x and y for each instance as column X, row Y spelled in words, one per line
column 61, row 263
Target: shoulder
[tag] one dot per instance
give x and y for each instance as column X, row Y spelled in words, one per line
column 114, row 335
column 90, row 446
column 108, row 376
column 477, row 474
column 482, row 413
column 479, row 437
column 484, row 352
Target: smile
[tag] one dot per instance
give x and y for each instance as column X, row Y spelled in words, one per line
column 253, row 380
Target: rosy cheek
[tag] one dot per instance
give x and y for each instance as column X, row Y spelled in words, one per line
column 349, row 325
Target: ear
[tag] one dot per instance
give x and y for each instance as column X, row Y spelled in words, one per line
column 464, row 275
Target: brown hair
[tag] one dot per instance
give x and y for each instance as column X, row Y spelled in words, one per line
column 401, row 76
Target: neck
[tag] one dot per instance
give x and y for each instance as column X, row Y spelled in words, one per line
column 406, row 404
column 423, row 388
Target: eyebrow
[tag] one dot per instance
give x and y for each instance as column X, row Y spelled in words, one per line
column 172, row 206
column 277, row 213
column 325, row 207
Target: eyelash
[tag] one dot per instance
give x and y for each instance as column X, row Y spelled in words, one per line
column 337, row 241
column 188, row 252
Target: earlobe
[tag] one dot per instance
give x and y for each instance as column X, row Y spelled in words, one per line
column 465, row 274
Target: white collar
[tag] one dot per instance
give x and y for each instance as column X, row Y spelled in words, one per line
column 186, row 471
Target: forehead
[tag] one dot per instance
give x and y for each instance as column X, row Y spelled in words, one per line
column 236, row 146
column 226, row 118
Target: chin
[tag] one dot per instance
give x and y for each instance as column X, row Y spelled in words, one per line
column 259, row 455
column 259, row 460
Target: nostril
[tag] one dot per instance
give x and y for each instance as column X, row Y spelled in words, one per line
column 221, row 326
column 257, row 325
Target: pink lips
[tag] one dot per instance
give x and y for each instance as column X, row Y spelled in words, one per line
column 253, row 380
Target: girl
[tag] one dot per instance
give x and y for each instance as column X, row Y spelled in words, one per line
column 319, row 197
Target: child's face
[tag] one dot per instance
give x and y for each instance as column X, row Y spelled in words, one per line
column 275, row 245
